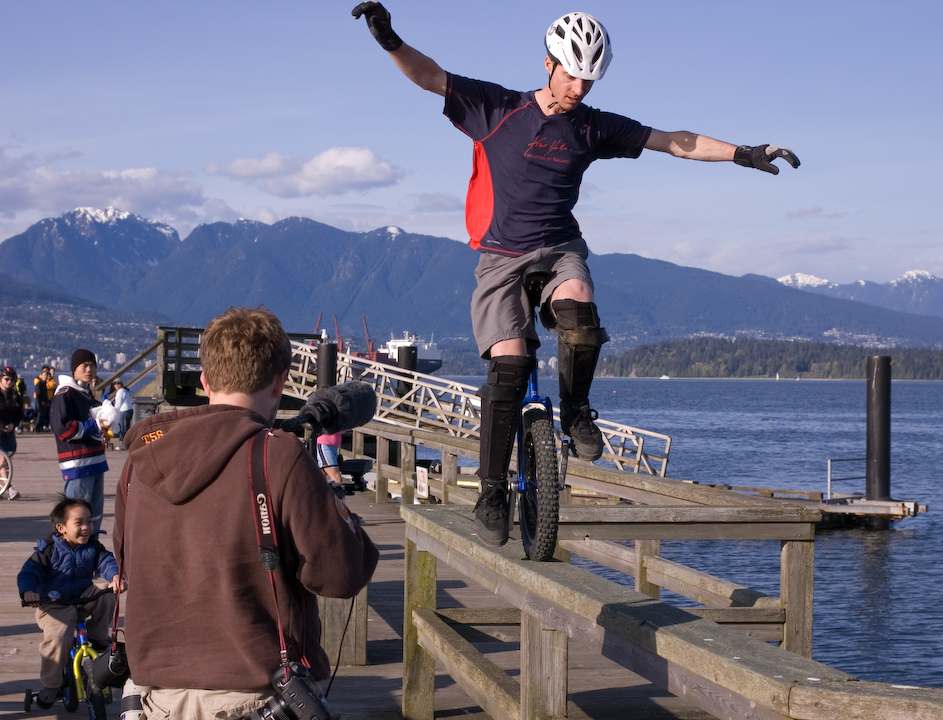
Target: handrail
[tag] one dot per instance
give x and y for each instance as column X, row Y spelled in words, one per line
column 424, row 402
column 828, row 495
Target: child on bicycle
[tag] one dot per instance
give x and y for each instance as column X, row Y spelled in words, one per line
column 68, row 565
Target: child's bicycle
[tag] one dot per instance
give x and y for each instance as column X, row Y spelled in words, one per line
column 539, row 477
column 77, row 682
column 6, row 472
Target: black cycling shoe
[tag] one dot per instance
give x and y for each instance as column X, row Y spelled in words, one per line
column 585, row 436
column 492, row 513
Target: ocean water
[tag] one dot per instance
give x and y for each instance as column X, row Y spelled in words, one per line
column 876, row 610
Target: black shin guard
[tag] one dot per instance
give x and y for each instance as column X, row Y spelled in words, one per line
column 501, row 398
column 579, row 339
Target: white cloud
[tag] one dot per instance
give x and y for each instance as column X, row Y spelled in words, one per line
column 333, row 172
column 29, row 183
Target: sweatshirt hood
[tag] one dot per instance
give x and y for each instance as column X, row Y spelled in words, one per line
column 178, row 454
column 67, row 381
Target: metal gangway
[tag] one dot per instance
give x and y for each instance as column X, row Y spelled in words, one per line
column 413, row 400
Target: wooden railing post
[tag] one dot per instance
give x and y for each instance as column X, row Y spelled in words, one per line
column 383, row 458
column 544, row 656
column 645, row 548
column 418, row 665
column 449, row 474
column 797, row 570
column 407, row 472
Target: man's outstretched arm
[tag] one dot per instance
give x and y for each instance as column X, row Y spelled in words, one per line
column 700, row 147
column 422, row 70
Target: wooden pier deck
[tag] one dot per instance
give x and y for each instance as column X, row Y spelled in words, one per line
column 598, row 687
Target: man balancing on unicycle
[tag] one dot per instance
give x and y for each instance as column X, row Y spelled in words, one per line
column 530, row 152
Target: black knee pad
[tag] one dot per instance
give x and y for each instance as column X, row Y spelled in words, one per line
column 578, row 324
column 507, row 378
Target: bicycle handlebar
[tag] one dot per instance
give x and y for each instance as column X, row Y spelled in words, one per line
column 75, row 602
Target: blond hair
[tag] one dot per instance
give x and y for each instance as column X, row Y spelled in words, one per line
column 243, row 350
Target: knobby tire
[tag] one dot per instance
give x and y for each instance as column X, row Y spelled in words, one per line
column 540, row 501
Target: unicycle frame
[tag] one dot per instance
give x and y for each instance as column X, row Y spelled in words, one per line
column 532, row 398
column 539, row 475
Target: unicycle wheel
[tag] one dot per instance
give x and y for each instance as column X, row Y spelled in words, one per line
column 540, row 500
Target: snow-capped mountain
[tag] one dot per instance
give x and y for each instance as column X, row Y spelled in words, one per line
column 916, row 291
column 115, row 248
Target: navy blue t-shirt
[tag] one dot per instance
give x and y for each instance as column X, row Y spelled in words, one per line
column 527, row 166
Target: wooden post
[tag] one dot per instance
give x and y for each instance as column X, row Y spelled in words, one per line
column 418, row 665
column 645, row 548
column 356, row 443
column 334, row 613
column 797, row 568
column 544, row 655
column 449, row 474
column 383, row 455
column 407, row 473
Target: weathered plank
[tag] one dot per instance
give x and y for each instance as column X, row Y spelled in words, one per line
column 543, row 670
column 719, row 670
column 488, row 685
column 418, row 666
column 865, row 701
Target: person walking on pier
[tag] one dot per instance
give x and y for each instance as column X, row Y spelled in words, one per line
column 530, row 152
column 79, row 439
column 43, row 400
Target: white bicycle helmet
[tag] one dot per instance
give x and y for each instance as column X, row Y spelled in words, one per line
column 580, row 43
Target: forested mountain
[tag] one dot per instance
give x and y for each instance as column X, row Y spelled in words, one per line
column 399, row 281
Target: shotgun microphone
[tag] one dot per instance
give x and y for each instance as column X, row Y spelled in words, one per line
column 337, row 408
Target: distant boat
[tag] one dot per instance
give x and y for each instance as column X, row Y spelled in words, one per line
column 428, row 355
column 664, row 377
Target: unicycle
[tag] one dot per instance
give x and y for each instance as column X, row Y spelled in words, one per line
column 539, row 478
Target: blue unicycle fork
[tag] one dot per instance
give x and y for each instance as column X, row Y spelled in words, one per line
column 538, row 475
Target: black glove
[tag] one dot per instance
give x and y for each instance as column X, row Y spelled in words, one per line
column 378, row 20
column 761, row 157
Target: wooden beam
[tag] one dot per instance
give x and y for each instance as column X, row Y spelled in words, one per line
column 544, row 656
column 488, row 685
column 797, row 567
column 418, row 665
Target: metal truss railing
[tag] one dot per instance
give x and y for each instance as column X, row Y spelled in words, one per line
column 424, row 402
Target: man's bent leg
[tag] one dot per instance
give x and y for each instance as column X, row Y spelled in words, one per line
column 579, row 340
column 501, row 398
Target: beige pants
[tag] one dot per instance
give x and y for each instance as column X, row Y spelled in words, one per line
column 171, row 704
column 58, row 625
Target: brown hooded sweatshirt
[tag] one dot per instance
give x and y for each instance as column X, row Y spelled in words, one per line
column 200, row 611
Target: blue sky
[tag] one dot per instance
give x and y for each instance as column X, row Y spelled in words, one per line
column 198, row 112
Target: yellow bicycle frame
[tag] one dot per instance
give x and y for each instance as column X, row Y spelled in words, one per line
column 82, row 651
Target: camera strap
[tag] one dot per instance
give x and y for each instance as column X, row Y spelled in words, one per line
column 265, row 519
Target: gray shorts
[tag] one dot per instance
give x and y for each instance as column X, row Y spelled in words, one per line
column 499, row 307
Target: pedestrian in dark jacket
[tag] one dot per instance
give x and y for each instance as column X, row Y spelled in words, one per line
column 79, row 435
column 66, row 566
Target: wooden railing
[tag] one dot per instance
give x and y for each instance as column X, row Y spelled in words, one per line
column 721, row 672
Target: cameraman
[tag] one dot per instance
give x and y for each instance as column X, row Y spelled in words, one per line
column 200, row 618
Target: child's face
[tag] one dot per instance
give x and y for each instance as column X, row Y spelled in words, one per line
column 78, row 526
